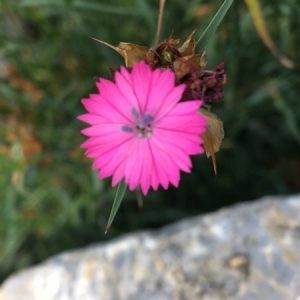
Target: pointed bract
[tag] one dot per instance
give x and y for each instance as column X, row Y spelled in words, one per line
column 213, row 135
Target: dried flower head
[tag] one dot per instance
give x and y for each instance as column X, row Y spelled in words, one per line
column 189, row 67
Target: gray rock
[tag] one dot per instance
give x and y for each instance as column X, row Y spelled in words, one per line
column 245, row 252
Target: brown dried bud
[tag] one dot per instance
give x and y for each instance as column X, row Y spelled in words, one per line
column 183, row 65
column 163, row 54
column 207, row 86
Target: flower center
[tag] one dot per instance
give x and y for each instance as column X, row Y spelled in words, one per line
column 143, row 125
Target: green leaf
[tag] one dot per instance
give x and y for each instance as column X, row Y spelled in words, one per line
column 214, row 24
column 121, row 189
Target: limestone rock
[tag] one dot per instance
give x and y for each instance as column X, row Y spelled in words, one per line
column 245, row 252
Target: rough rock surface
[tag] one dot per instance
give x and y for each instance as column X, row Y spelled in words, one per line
column 245, row 252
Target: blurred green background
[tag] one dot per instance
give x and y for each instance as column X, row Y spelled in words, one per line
column 50, row 198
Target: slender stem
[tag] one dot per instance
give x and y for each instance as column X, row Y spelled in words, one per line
column 159, row 22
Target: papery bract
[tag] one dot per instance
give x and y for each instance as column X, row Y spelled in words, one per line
column 139, row 131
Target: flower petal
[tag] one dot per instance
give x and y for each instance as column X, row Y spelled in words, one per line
column 141, row 79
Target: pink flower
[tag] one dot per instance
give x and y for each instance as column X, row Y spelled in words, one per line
column 139, row 131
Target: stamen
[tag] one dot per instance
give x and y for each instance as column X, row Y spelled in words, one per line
column 126, row 128
column 142, row 127
column 146, row 120
column 135, row 113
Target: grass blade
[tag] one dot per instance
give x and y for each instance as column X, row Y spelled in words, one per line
column 121, row 189
column 260, row 25
column 214, row 24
